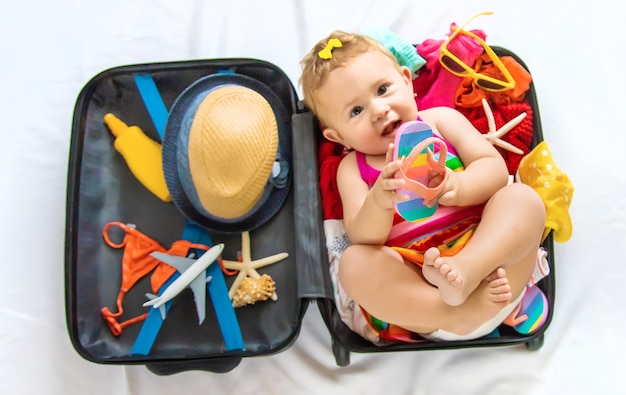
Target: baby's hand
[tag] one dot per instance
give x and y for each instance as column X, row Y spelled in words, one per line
column 449, row 195
column 384, row 190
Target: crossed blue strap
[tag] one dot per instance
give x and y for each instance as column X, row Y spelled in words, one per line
column 153, row 101
column 218, row 291
column 224, row 311
column 152, row 324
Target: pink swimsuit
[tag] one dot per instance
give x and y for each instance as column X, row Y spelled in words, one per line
column 441, row 224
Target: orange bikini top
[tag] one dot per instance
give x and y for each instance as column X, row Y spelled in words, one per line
column 137, row 263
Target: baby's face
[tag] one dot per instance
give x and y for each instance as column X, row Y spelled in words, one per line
column 363, row 103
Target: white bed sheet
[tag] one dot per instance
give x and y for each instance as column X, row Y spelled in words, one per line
column 50, row 49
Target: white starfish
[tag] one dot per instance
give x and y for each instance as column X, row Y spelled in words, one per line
column 247, row 267
column 493, row 135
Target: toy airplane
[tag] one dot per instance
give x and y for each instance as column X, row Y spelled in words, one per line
column 193, row 275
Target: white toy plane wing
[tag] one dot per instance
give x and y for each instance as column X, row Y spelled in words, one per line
column 192, row 275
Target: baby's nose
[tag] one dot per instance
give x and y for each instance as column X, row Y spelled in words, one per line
column 380, row 108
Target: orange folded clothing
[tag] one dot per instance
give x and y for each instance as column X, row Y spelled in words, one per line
column 469, row 95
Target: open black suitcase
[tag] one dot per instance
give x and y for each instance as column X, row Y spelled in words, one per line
column 101, row 189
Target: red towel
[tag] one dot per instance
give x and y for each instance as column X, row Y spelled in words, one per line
column 520, row 136
column 330, row 155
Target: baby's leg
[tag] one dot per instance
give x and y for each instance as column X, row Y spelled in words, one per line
column 379, row 280
column 508, row 234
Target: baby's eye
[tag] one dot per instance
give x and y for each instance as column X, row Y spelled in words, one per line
column 382, row 90
column 356, row 111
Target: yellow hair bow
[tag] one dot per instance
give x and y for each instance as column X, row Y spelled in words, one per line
column 327, row 52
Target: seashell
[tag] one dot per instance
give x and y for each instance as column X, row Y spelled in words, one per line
column 252, row 290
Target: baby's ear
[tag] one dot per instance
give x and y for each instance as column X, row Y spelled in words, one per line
column 406, row 74
column 332, row 135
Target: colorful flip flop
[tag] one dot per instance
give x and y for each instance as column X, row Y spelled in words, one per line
column 414, row 143
column 531, row 313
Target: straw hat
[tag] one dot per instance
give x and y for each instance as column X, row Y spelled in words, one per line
column 227, row 152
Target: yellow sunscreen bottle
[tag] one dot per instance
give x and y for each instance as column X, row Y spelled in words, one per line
column 142, row 155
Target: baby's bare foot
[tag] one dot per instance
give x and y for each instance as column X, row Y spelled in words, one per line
column 499, row 288
column 440, row 272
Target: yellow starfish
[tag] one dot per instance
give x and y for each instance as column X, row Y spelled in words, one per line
column 493, row 135
column 247, row 267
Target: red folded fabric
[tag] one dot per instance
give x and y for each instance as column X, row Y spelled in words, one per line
column 330, row 155
column 520, row 136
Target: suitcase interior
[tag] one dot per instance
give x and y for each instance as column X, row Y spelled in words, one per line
column 101, row 189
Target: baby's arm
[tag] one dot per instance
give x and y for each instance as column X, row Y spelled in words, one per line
column 368, row 213
column 485, row 170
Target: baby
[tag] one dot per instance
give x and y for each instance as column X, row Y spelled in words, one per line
column 361, row 96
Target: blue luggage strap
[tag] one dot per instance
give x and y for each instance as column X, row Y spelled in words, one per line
column 218, row 291
column 224, row 311
column 153, row 101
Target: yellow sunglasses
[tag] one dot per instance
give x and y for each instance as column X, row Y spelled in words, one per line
column 457, row 67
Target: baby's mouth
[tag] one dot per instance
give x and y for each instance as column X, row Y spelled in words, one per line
column 391, row 128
